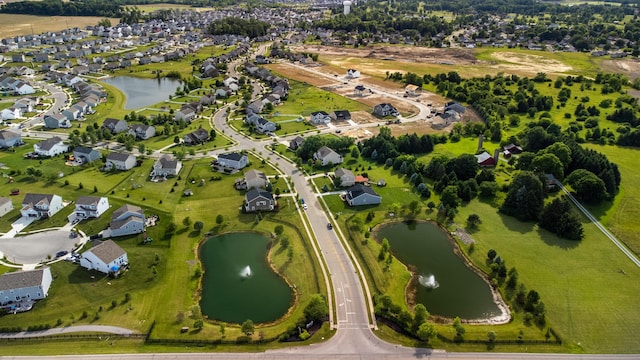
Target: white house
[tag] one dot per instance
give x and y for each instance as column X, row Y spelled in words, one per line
column 165, row 166
column 6, row 205
column 353, row 73
column 19, row 286
column 10, row 113
column 327, row 156
column 187, row 114
column 41, row 206
column 120, row 161
column 233, row 160
column 10, row 137
column 50, row 147
column 106, row 257
column 142, row 131
column 127, row 220
column 91, row 206
column 320, row 117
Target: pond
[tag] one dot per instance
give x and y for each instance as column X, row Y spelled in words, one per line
column 446, row 286
column 141, row 92
column 238, row 283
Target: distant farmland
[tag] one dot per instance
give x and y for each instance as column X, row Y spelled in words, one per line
column 14, row 24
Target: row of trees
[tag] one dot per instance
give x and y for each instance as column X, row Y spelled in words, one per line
column 237, row 26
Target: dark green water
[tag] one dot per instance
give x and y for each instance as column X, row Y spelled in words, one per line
column 228, row 294
column 459, row 291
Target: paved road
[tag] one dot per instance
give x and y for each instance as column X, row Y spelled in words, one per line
column 68, row 330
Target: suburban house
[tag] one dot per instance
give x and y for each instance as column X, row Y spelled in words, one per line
column 187, row 114
column 10, row 138
column 165, row 166
column 10, row 113
column 362, row 195
column 6, row 205
column 127, row 220
column 41, row 206
column 320, row 117
column 56, row 121
column 91, row 206
column 344, row 177
column 485, row 159
column 27, row 285
column 106, row 257
column 353, row 73
column 412, row 90
column 142, row 131
column 454, row 106
column 50, row 147
column 385, row 109
column 262, row 125
column 115, row 125
column 199, row 136
column 258, row 200
column 340, row 115
column 233, row 160
column 120, row 161
column 85, row 155
column 72, row 113
column 253, row 179
column 255, row 107
column 327, row 156
column 296, row 142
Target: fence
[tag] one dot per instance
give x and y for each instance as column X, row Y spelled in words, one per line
column 72, row 337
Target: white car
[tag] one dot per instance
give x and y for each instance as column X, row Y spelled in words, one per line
column 304, row 206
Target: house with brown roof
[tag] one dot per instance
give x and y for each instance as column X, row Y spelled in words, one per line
column 106, row 257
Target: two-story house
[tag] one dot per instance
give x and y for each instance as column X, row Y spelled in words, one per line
column 120, row 161
column 106, row 257
column 91, row 206
column 327, row 156
column 41, row 206
column 127, row 220
column 50, row 147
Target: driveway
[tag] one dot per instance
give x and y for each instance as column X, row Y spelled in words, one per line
column 34, row 248
column 18, row 226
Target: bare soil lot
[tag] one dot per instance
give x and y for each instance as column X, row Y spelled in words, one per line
column 628, row 67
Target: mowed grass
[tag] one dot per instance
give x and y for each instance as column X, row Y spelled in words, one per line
column 17, row 24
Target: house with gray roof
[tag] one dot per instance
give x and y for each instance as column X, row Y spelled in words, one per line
column 10, row 138
column 41, row 206
column 106, row 257
column 259, row 200
column 85, row 155
column 91, row 206
column 120, row 161
column 320, row 117
column 142, row 131
column 55, row 121
column 199, row 136
column 233, row 160
column 359, row 195
column 50, row 147
column 19, row 286
column 253, row 179
column 344, row 177
column 165, row 166
column 6, row 205
column 327, row 156
column 127, row 220
column 115, row 125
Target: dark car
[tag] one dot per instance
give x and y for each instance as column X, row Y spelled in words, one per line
column 61, row 253
column 329, row 226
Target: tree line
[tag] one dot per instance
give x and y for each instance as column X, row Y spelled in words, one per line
column 237, row 26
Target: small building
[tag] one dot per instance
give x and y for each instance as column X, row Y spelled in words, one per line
column 186, row 113
column 454, row 106
column 344, row 177
column 412, row 90
column 353, row 74
column 29, row 285
column 127, row 220
column 85, row 155
column 142, row 131
column 233, row 160
column 258, row 200
column 385, row 109
column 50, row 147
column 359, row 195
column 116, row 126
column 41, row 206
column 320, row 117
column 255, row 179
column 91, row 207
column 511, row 149
column 106, row 257
column 56, row 121
column 485, row 159
column 199, row 136
column 10, row 138
column 6, row 205
column 166, row 166
column 296, row 142
column 340, row 115
column 327, row 156
column 120, row 161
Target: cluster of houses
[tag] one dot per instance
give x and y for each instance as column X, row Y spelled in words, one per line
column 19, row 108
column 9, row 84
column 485, row 159
column 451, row 113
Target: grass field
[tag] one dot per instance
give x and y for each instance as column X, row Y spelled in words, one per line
column 16, row 24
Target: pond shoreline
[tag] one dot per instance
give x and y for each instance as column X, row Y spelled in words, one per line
column 411, row 287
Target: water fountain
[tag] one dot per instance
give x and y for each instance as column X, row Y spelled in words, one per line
column 246, row 272
column 428, row 281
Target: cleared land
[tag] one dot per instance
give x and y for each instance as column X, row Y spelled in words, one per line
column 16, row 24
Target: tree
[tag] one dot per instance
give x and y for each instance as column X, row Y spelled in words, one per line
column 420, row 316
column 548, row 163
column 491, row 254
column 247, row 327
column 317, row 308
column 525, row 198
column 559, row 218
column 473, row 221
column 562, row 151
column 492, row 336
column 278, row 230
column 587, row 185
column 219, row 219
column 464, row 166
column 198, row 226
column 186, row 221
column 414, row 206
column 457, row 325
column 355, row 152
column 198, row 324
column 426, row 331
column 449, row 197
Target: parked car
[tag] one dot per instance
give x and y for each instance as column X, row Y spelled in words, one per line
column 61, row 253
column 329, row 226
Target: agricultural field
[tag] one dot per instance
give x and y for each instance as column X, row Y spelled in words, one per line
column 17, row 24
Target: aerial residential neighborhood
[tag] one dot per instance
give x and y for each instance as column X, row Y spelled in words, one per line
column 310, row 179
